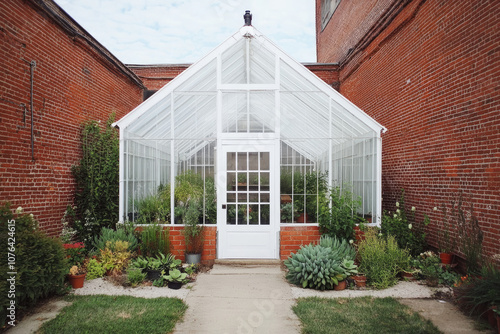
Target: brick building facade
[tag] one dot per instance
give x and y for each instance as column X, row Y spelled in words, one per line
column 430, row 72
column 75, row 79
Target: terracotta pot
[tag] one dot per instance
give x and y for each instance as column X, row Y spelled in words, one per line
column 341, row 286
column 407, row 276
column 360, row 280
column 446, row 258
column 303, row 218
column 76, row 281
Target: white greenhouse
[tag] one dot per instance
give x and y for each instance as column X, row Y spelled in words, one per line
column 251, row 141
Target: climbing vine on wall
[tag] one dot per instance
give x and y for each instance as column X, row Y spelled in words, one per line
column 96, row 179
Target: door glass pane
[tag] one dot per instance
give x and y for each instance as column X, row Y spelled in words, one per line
column 253, row 197
column 231, row 214
column 231, row 197
column 242, row 214
column 264, row 160
column 242, row 197
column 242, row 181
column 253, row 181
column 264, row 181
column 264, row 214
column 231, row 181
column 264, row 198
column 253, row 214
column 231, row 161
column 242, row 161
column 253, row 161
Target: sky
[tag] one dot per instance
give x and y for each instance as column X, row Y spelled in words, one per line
column 183, row 31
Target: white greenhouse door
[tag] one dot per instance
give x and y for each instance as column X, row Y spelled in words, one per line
column 247, row 222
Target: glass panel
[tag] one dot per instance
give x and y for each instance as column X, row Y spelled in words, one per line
column 242, row 181
column 264, row 181
column 264, row 160
column 242, row 214
column 253, row 161
column 264, row 198
column 253, row 181
column 231, row 214
column 231, row 181
column 231, row 197
column 242, row 161
column 253, row 214
column 264, row 214
column 231, row 161
column 242, row 198
column 253, row 197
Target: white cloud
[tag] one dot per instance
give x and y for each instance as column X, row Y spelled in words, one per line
column 158, row 31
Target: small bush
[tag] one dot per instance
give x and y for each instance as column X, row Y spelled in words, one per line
column 401, row 224
column 381, row 259
column 115, row 256
column 135, row 276
column 40, row 261
column 95, row 269
column 109, row 235
column 321, row 266
column 339, row 219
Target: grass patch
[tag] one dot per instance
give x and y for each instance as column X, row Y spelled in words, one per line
column 359, row 315
column 117, row 314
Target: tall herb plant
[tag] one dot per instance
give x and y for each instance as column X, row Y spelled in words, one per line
column 96, row 179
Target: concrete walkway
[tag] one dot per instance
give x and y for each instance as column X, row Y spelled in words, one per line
column 240, row 299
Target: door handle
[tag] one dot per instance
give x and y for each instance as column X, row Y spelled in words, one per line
column 224, row 206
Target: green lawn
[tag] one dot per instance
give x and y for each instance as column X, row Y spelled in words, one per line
column 359, row 315
column 117, row 314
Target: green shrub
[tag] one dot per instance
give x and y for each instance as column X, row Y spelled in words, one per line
column 107, row 234
column 401, row 224
column 135, row 276
column 96, row 179
column 341, row 247
column 154, row 240
column 95, row 269
column 340, row 219
column 319, row 267
column 40, row 261
column 381, row 259
column 115, row 256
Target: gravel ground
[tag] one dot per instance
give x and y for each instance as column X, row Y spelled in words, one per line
column 400, row 290
column 100, row 286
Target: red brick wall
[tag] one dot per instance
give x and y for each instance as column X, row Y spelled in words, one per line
column 431, row 75
column 72, row 83
column 155, row 77
column 178, row 244
column 292, row 237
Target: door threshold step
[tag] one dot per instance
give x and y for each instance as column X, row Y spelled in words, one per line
column 244, row 262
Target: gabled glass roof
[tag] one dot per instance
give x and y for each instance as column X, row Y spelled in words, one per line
column 245, row 85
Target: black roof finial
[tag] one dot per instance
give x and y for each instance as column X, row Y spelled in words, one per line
column 248, row 18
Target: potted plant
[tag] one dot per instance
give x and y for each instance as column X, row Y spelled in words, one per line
column 175, row 278
column 76, row 276
column 359, row 280
column 193, row 234
column 349, row 269
column 288, row 212
column 446, row 241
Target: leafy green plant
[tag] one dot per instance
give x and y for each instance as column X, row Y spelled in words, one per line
column 342, row 248
column 109, row 235
column 175, row 275
column 318, row 267
column 96, row 179
column 95, row 269
column 40, row 261
column 381, row 259
column 154, row 240
column 401, row 224
column 288, row 213
column 193, row 231
column 115, row 256
column 481, row 290
column 340, row 218
column 135, row 276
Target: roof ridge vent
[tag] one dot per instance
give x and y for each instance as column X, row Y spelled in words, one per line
column 248, row 18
